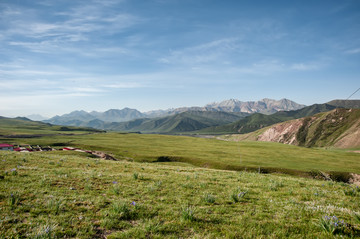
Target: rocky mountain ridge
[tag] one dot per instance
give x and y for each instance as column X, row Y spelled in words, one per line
column 264, row 106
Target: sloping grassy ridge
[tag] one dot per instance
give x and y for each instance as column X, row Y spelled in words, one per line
column 326, row 129
column 337, row 128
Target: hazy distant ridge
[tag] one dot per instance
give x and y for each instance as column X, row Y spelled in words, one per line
column 78, row 118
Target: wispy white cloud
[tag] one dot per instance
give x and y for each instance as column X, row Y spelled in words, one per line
column 83, row 89
column 78, row 24
column 306, row 66
column 67, row 83
column 203, row 53
column 56, row 47
column 108, row 2
column 353, row 51
column 124, row 85
column 269, row 67
column 32, row 73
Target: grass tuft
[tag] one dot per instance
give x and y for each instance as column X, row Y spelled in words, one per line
column 188, row 213
column 14, row 199
column 209, row 198
column 331, row 224
column 14, row 172
column 238, row 195
column 121, row 211
column 45, row 232
column 356, row 216
column 55, row 205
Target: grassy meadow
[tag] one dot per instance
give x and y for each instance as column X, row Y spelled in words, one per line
column 70, row 195
column 209, row 153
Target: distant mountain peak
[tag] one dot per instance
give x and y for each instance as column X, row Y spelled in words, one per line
column 266, row 106
column 36, row 117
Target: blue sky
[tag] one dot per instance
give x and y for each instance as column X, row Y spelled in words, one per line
column 59, row 56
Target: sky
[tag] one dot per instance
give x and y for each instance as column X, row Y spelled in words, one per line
column 60, row 56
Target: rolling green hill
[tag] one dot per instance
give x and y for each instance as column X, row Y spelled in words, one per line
column 257, row 121
column 17, row 126
column 179, row 123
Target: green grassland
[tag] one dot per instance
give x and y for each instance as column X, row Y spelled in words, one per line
column 210, row 153
column 171, row 187
column 69, row 195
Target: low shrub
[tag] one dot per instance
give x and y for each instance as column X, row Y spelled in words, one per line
column 263, row 170
column 163, row 159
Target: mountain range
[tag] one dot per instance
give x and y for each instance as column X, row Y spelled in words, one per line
column 265, row 106
column 78, row 117
column 226, row 117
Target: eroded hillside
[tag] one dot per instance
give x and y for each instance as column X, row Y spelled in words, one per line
column 339, row 128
